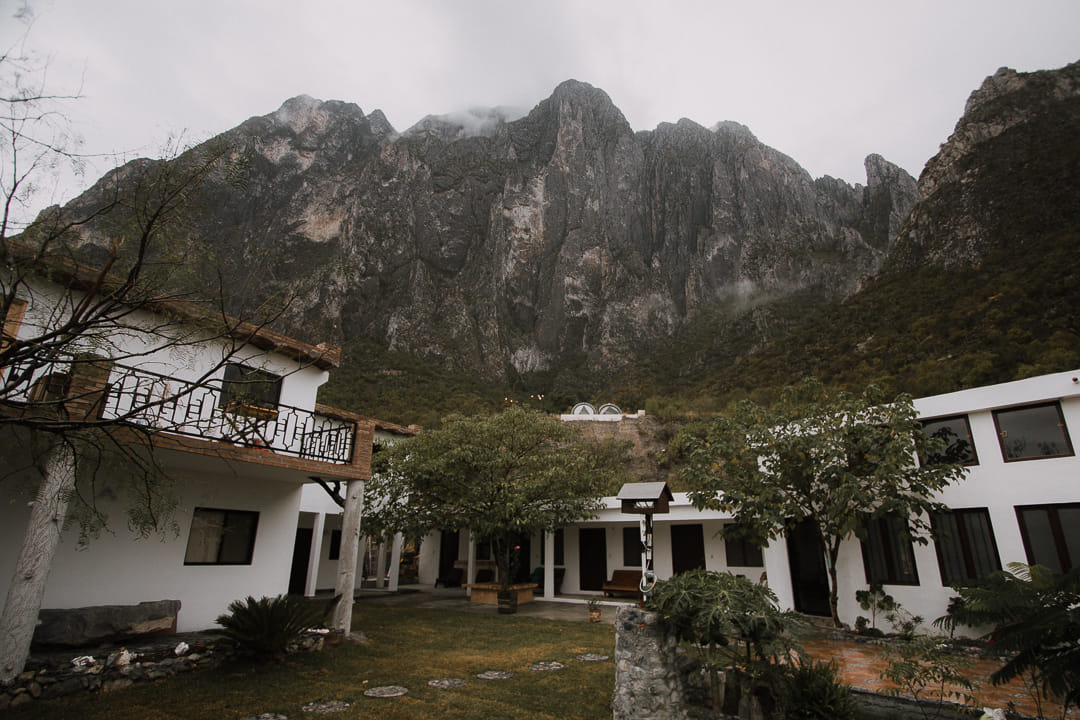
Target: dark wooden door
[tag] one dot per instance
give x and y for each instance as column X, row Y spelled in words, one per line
column 687, row 548
column 301, row 555
column 524, row 545
column 592, row 554
column 809, row 576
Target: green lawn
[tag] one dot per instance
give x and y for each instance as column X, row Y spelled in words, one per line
column 407, row 647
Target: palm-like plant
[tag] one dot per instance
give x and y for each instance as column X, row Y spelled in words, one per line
column 265, row 627
column 1035, row 618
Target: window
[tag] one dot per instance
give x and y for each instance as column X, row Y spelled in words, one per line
column 965, row 544
column 743, row 553
column 334, row 552
column 1034, row 431
column 1051, row 535
column 559, row 548
column 631, row 546
column 12, row 321
column 887, row 555
column 956, row 432
column 221, row 537
column 249, row 391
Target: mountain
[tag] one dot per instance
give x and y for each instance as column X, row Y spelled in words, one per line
column 981, row 285
column 561, row 253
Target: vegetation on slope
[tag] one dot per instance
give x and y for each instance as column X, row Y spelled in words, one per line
column 927, row 332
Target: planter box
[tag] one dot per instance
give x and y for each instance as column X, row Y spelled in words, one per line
column 488, row 593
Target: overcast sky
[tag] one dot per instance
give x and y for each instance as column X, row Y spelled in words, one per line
column 826, row 82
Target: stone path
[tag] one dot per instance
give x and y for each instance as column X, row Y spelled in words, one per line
column 861, row 664
column 325, row 707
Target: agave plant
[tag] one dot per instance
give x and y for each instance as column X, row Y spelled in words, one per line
column 266, row 627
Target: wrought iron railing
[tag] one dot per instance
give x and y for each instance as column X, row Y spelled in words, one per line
column 200, row 410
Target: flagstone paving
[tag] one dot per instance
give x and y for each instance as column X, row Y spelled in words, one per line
column 861, row 664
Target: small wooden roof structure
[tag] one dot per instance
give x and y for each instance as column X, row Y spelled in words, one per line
column 645, row 498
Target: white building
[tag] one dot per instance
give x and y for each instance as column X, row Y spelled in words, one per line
column 1020, row 502
column 231, row 419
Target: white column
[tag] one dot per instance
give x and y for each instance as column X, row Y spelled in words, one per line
column 549, row 565
column 380, row 565
column 395, row 560
column 775, row 555
column 350, row 546
column 310, row 584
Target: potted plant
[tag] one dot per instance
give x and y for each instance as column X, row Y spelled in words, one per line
column 594, row 609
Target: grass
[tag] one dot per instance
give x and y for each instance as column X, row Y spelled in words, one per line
column 408, row 647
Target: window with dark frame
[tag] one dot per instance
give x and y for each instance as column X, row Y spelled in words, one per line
column 1032, row 432
column 966, row 549
column 631, row 546
column 221, row 537
column 956, row 432
column 334, row 551
column 743, row 553
column 12, row 321
column 1051, row 535
column 250, row 391
column 888, row 558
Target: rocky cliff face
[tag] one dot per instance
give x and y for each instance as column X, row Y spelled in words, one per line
column 1008, row 172
column 514, row 249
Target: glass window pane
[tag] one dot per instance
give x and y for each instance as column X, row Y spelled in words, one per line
column 980, row 543
column 956, row 433
column 1032, row 432
column 949, row 548
column 887, row 554
column 237, row 538
column 205, row 536
column 1069, row 517
column 1041, row 548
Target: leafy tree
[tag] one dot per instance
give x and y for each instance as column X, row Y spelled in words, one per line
column 85, row 288
column 832, row 459
column 1034, row 616
column 498, row 476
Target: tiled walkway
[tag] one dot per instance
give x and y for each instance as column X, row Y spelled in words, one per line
column 861, row 664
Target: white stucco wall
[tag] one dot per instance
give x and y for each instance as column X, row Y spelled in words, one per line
column 118, row 568
column 140, row 345
column 993, row 483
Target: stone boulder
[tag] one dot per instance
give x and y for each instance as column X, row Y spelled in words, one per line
column 79, row 627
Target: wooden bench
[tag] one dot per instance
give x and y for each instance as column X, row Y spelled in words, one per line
column 623, row 581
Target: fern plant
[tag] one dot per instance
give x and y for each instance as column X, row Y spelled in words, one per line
column 265, row 627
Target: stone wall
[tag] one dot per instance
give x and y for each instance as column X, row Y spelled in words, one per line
column 647, row 682
column 62, row 673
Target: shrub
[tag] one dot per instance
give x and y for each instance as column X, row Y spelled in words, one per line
column 265, row 627
column 917, row 667
column 1035, row 619
column 728, row 621
column 814, row 691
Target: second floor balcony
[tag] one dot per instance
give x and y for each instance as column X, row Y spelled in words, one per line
column 208, row 410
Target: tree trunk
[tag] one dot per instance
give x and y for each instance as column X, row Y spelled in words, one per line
column 35, row 560
column 350, row 549
column 834, row 595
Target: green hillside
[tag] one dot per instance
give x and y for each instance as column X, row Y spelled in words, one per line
column 925, row 332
